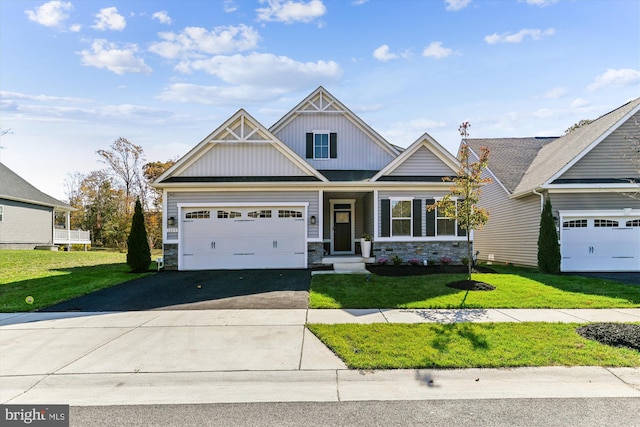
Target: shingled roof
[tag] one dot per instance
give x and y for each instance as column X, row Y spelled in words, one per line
column 509, row 158
column 13, row 187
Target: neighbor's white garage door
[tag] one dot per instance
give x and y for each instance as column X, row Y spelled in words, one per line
column 243, row 237
column 600, row 243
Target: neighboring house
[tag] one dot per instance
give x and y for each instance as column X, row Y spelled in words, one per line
column 31, row 218
column 308, row 187
column 589, row 174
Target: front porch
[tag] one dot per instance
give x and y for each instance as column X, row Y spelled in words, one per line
column 71, row 237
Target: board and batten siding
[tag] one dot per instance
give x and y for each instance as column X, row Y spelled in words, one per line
column 356, row 150
column 511, row 233
column 612, row 157
column 422, row 162
column 234, row 197
column 25, row 225
column 243, row 159
column 423, row 195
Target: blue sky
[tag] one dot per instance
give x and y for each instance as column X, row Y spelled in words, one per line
column 76, row 75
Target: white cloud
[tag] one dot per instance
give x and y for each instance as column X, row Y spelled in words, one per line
column 229, row 6
column 265, row 70
column 455, row 5
column 109, row 19
column 556, row 92
column 219, row 95
column 195, row 40
column 50, row 14
column 535, row 34
column 359, row 2
column 120, row 61
column 162, row 17
column 579, row 103
column 435, row 50
column 615, row 78
column 382, row 54
column 291, row 11
column 75, row 28
column 540, row 3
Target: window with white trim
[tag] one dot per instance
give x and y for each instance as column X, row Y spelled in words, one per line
column 401, row 217
column 632, row 223
column 321, row 145
column 445, row 226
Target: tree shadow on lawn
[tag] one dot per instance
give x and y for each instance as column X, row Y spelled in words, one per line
column 446, row 334
column 574, row 283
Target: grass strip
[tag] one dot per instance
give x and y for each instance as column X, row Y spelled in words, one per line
column 52, row 277
column 515, row 288
column 468, row 345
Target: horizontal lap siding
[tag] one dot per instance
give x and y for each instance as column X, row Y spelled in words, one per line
column 423, row 162
column 356, row 150
column 611, row 158
column 592, row 201
column 511, row 233
column 231, row 197
column 26, row 223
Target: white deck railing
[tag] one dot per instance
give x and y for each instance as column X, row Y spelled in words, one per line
column 71, row 237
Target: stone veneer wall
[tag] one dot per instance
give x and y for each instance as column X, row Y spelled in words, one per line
column 420, row 250
column 170, row 254
column 315, row 252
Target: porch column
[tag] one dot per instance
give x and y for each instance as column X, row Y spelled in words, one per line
column 67, row 224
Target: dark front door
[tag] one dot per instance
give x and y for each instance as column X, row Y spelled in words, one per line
column 342, row 231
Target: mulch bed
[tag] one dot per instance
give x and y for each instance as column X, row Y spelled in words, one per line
column 613, row 334
column 418, row 270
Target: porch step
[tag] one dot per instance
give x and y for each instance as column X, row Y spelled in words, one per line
column 347, row 259
column 350, row 268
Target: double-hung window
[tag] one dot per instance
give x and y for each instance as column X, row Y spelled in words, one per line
column 321, row 145
column 445, row 226
column 401, row 217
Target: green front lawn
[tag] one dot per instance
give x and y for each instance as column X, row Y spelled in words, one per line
column 52, row 277
column 467, row 345
column 515, row 288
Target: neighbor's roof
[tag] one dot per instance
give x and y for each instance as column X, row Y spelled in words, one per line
column 13, row 187
column 509, row 158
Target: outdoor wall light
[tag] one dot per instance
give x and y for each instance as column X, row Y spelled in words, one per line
column 312, row 220
column 171, row 221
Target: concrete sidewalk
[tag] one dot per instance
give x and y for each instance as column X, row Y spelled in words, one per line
column 211, row 356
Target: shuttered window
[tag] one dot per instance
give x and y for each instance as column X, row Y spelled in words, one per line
column 401, row 217
column 321, row 145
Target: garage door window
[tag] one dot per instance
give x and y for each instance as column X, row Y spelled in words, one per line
column 604, row 223
column 633, row 223
column 198, row 215
column 285, row 213
column 229, row 214
column 575, row 223
column 260, row 214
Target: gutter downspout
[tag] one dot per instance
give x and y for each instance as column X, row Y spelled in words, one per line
column 541, row 199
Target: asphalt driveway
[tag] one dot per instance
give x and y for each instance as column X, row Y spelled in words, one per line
column 200, row 290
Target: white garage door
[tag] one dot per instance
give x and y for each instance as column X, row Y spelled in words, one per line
column 600, row 244
column 243, row 237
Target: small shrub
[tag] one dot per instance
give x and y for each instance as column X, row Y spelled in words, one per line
column 396, row 260
column 464, row 260
column 431, row 262
column 445, row 260
column 382, row 261
column 414, row 261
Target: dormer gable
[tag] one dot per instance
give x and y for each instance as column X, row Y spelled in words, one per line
column 240, row 149
column 425, row 160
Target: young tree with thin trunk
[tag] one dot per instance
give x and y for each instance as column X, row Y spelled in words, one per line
column 462, row 203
